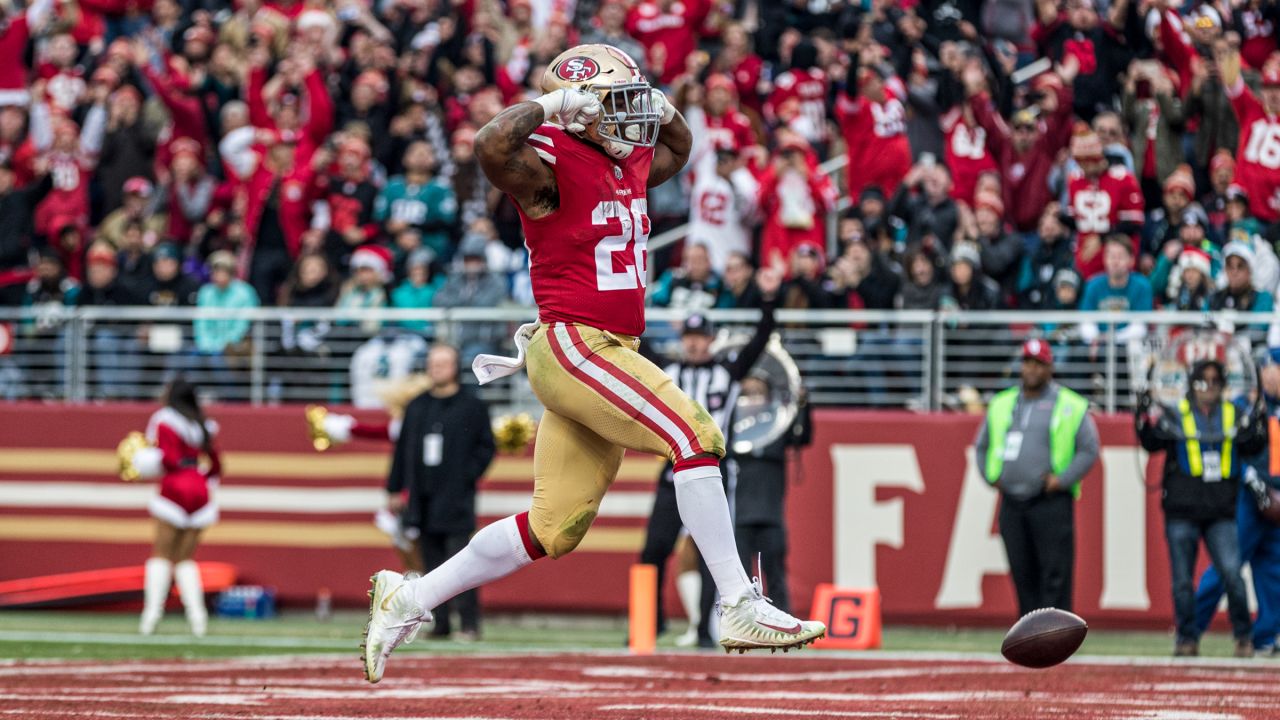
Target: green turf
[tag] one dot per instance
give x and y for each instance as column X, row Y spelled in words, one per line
column 112, row 636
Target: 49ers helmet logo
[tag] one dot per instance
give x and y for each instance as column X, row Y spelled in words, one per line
column 577, row 69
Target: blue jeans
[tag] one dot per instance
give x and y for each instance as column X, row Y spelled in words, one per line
column 1260, row 547
column 1183, row 537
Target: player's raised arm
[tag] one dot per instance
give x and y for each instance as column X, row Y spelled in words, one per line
column 674, row 142
column 511, row 164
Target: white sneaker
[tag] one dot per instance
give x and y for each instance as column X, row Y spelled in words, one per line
column 394, row 619
column 755, row 623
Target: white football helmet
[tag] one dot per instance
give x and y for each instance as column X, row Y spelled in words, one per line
column 628, row 118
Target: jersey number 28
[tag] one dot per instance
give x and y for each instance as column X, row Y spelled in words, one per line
column 635, row 222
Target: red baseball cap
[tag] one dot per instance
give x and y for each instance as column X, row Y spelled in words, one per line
column 1037, row 349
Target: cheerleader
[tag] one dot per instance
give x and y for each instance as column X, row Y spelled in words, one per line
column 178, row 434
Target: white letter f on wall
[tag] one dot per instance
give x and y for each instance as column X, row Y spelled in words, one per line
column 861, row 523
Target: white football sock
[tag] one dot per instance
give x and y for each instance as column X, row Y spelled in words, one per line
column 155, row 590
column 495, row 552
column 704, row 510
column 689, row 585
column 186, row 575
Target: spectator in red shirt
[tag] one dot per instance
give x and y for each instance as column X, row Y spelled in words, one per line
column 16, row 29
column 669, row 31
column 794, row 200
column 873, row 122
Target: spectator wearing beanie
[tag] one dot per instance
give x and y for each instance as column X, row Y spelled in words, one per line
column 968, row 288
column 1053, row 254
column 1025, row 148
column 1102, row 200
column 1240, row 293
column 223, row 291
column 1179, row 203
column 370, row 273
column 1191, row 235
column 418, row 290
column 168, row 286
column 1190, row 288
column 1001, row 251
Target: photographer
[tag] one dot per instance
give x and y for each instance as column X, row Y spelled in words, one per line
column 1203, row 444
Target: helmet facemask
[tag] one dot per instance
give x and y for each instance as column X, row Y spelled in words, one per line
column 628, row 119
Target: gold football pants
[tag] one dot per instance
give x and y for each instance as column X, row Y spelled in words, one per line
column 601, row 398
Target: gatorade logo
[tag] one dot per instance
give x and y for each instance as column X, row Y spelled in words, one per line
column 577, row 69
column 852, row 616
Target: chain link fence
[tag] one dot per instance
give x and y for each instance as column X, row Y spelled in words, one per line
column 878, row 359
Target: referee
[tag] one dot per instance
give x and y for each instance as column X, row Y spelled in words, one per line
column 715, row 385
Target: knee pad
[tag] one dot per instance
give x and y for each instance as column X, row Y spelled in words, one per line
column 559, row 538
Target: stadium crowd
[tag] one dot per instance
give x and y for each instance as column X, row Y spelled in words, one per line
column 1001, row 154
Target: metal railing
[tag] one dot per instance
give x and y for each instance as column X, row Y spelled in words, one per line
column 909, row 359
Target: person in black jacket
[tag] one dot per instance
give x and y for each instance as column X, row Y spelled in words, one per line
column 1201, row 475
column 17, row 208
column 759, row 522
column 445, row 446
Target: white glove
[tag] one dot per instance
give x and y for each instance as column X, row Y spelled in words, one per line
column 149, row 462
column 662, row 105
column 338, row 427
column 574, row 109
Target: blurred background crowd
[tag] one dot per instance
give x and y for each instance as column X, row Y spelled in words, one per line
column 315, row 153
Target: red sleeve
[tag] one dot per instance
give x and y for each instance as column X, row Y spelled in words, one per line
column 633, row 20
column 320, row 108
column 1042, row 34
column 1058, row 133
column 106, row 7
column 371, row 431
column 768, row 194
column 695, row 13
column 1131, row 204
column 171, row 447
column 824, row 192
column 258, row 115
column 183, row 108
column 995, row 127
column 1176, row 50
column 1244, row 103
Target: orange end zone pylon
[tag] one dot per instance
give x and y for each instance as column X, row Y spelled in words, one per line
column 852, row 616
column 89, row 586
column 643, row 617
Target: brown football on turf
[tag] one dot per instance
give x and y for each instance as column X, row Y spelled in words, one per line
column 1044, row 638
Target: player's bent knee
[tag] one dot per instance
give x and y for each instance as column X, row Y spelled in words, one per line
column 560, row 538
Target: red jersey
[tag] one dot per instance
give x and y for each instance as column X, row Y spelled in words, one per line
column 876, row 137
column 1258, row 157
column 965, row 153
column 64, row 87
column 68, row 202
column 1259, row 36
column 669, row 35
column 1100, row 206
column 587, row 260
column 808, row 89
column 732, row 129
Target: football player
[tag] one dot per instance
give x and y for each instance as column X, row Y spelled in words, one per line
column 578, row 162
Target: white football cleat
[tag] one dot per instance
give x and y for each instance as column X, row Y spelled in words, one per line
column 394, row 619
column 754, row 623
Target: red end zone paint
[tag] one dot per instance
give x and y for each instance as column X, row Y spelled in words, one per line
column 689, row 687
